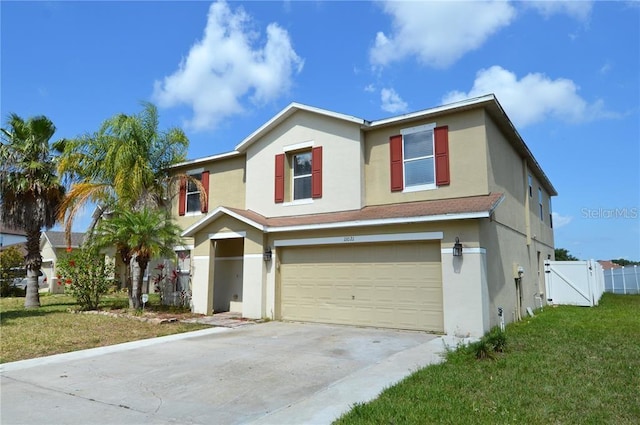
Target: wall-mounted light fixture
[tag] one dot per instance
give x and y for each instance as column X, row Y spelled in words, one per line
column 457, row 248
column 267, row 254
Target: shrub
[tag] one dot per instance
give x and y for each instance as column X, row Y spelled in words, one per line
column 86, row 276
column 11, row 268
column 495, row 341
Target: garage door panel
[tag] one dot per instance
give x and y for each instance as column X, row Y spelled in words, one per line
column 385, row 285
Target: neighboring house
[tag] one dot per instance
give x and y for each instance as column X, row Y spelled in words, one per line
column 52, row 246
column 11, row 236
column 608, row 265
column 429, row 221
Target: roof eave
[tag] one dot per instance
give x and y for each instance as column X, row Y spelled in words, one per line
column 210, row 158
column 215, row 214
column 379, row 222
column 291, row 109
column 438, row 110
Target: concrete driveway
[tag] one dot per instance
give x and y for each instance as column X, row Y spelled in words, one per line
column 270, row 373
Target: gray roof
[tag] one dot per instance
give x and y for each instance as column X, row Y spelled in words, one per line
column 59, row 239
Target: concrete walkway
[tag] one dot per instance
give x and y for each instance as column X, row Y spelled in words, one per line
column 269, row 373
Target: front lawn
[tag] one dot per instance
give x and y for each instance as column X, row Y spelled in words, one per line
column 53, row 329
column 567, row 365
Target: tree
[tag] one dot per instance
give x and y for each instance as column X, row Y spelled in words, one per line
column 145, row 234
column 123, row 166
column 562, row 254
column 11, row 261
column 31, row 190
column 623, row 262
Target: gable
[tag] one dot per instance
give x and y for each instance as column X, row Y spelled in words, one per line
column 333, row 149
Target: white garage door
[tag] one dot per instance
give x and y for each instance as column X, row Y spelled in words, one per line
column 390, row 285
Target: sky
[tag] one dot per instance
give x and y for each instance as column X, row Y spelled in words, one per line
column 566, row 73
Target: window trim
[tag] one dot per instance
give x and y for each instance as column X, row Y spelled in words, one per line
column 284, row 173
column 530, row 186
column 294, row 177
column 412, row 130
column 540, row 203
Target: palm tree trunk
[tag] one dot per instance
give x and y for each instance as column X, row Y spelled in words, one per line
column 33, row 262
column 137, row 273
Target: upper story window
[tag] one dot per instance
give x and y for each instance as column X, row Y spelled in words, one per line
column 193, row 194
column 540, row 203
column 298, row 174
column 420, row 158
column 530, row 186
column 189, row 200
column 301, row 175
column 550, row 214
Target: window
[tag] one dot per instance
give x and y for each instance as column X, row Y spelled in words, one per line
column 189, row 199
column 298, row 174
column 183, row 270
column 193, row 194
column 540, row 204
column 420, row 158
column 550, row 214
column 301, row 164
column 530, row 186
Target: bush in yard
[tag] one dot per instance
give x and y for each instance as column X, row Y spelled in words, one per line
column 495, row 341
column 11, row 268
column 86, row 276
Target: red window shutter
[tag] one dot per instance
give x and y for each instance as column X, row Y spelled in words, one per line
column 316, row 172
column 441, row 136
column 205, row 183
column 182, row 198
column 397, row 178
column 279, row 192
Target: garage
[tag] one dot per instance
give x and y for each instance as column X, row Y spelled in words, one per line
column 390, row 285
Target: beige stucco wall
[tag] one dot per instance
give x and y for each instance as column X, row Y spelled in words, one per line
column 226, row 187
column 507, row 248
column 467, row 161
column 341, row 165
column 516, row 233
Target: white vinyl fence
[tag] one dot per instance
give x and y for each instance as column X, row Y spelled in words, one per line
column 625, row 280
column 574, row 282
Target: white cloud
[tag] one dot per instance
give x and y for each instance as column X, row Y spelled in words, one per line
column 370, row 88
column 533, row 98
column 560, row 220
column 580, row 10
column 227, row 66
column 606, row 68
column 392, row 102
column 438, row 33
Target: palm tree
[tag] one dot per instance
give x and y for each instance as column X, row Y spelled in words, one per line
column 143, row 234
column 31, row 190
column 124, row 164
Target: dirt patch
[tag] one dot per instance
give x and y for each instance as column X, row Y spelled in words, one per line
column 146, row 316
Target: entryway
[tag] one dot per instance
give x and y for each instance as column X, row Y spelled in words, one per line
column 227, row 280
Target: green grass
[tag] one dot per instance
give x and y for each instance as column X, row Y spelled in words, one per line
column 567, row 365
column 53, row 329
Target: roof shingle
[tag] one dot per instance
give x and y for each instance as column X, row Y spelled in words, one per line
column 440, row 207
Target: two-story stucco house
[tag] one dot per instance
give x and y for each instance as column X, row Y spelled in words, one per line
column 428, row 221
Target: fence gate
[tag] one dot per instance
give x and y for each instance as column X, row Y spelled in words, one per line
column 574, row 282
